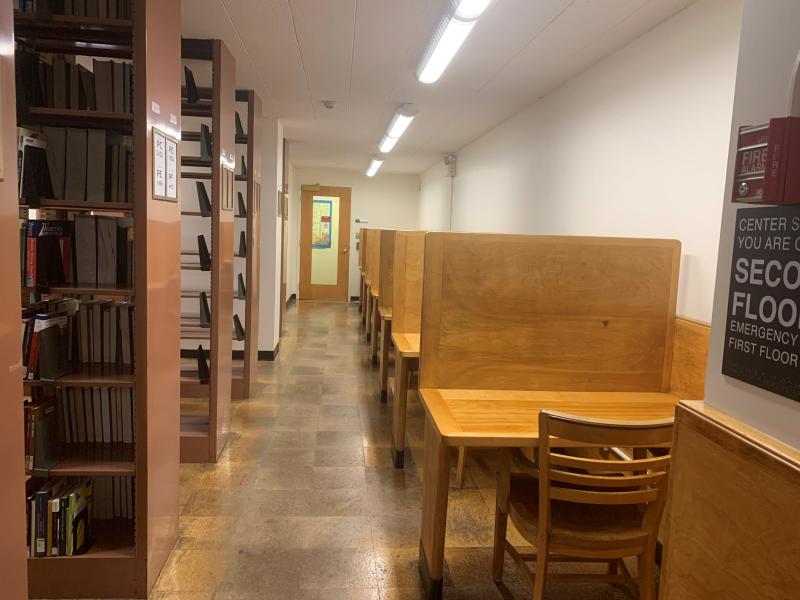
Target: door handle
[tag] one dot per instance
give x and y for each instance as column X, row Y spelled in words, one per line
column 344, row 250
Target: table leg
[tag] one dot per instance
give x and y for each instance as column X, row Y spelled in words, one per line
column 368, row 314
column 402, row 369
column 435, row 487
column 376, row 328
column 361, row 294
column 386, row 341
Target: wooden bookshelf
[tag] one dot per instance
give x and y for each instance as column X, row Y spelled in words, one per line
column 203, row 437
column 12, row 448
column 243, row 377
column 125, row 556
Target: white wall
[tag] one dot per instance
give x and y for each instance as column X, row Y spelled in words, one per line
column 770, row 47
column 635, row 146
column 387, row 201
column 436, row 190
column 270, row 281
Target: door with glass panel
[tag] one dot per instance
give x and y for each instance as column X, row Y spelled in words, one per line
column 324, row 243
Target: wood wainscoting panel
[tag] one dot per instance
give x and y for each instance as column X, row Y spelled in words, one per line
column 689, row 359
column 734, row 498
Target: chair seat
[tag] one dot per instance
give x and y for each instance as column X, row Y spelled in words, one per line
column 385, row 313
column 572, row 524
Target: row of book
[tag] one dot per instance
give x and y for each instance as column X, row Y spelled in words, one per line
column 102, row 9
column 98, row 415
column 88, row 250
column 63, row 512
column 90, row 332
column 97, row 423
column 73, row 164
column 65, row 81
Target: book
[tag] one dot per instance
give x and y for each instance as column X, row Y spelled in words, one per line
column 74, row 78
column 48, row 251
column 52, row 333
column 103, row 85
column 34, row 174
column 56, row 139
column 45, row 448
column 85, row 250
column 96, row 165
column 60, row 79
column 75, row 181
column 118, row 86
column 87, row 92
column 106, row 251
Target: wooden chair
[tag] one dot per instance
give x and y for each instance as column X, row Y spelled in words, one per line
column 362, row 253
column 386, row 277
column 371, row 274
column 595, row 509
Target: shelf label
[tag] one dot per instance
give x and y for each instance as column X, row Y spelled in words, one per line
column 155, row 107
column 165, row 167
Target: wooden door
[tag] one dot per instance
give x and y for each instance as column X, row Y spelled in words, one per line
column 324, row 243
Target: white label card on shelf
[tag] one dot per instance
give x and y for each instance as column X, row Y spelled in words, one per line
column 165, row 166
column 155, row 106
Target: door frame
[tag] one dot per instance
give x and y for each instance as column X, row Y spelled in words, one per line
column 340, row 291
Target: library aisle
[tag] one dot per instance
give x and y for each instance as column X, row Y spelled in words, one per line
column 304, row 502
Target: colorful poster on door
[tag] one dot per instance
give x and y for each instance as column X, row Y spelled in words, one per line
column 322, row 215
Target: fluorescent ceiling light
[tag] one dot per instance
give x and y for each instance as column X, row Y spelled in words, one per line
column 471, row 9
column 387, row 143
column 376, row 163
column 444, row 49
column 401, row 120
column 449, row 37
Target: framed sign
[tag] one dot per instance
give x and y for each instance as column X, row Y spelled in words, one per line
column 165, row 167
column 762, row 331
column 2, row 137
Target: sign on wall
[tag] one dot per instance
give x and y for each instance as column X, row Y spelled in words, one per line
column 165, row 167
column 762, row 332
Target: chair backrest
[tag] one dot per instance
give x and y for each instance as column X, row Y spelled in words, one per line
column 689, row 359
column 530, row 312
column 409, row 254
column 386, row 270
column 373, row 258
column 642, row 480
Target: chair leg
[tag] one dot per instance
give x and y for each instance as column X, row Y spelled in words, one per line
column 460, row 467
column 501, row 514
column 647, row 573
column 540, row 576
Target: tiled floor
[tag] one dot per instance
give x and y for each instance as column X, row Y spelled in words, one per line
column 304, row 503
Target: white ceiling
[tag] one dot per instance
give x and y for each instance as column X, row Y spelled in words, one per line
column 362, row 54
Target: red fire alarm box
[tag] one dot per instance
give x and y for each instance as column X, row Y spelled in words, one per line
column 768, row 163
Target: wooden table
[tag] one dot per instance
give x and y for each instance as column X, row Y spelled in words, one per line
column 494, row 419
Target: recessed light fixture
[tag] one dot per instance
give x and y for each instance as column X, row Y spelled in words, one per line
column 402, row 118
column 375, row 164
column 450, row 35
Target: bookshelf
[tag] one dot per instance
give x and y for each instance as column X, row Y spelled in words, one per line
column 248, row 147
column 206, row 407
column 12, row 492
column 126, row 554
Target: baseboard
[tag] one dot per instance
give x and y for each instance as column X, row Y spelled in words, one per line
column 191, row 353
column 269, row 355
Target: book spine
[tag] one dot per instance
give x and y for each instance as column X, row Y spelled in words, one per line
column 33, row 360
column 30, row 262
column 41, row 520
